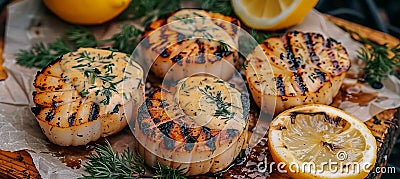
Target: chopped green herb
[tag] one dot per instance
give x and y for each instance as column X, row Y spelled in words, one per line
column 109, row 164
column 220, row 6
column 40, row 55
column 380, row 60
column 80, row 37
column 222, row 106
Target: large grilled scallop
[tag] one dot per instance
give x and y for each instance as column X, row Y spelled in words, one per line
column 86, row 94
column 192, row 41
column 199, row 125
column 297, row 68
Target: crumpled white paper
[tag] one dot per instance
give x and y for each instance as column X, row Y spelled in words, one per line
column 29, row 23
column 387, row 98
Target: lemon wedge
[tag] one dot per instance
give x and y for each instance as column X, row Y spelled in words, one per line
column 272, row 14
column 87, row 12
column 320, row 141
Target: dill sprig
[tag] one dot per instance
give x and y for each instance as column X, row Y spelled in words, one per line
column 149, row 9
column 222, row 106
column 380, row 60
column 40, row 55
column 80, row 37
column 220, row 6
column 379, row 64
column 109, row 164
column 126, row 40
column 162, row 171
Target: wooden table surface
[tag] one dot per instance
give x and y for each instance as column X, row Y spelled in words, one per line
column 384, row 126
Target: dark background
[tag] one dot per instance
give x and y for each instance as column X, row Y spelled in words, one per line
column 382, row 15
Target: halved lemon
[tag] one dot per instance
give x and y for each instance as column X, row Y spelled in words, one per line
column 320, row 141
column 87, row 12
column 272, row 14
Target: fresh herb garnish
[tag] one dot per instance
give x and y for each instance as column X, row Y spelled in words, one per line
column 259, row 36
column 109, row 164
column 222, row 106
column 80, row 37
column 126, row 40
column 220, row 6
column 380, row 60
column 162, row 171
column 41, row 54
column 92, row 73
column 149, row 9
column 379, row 64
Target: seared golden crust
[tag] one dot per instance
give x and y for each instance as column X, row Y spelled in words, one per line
column 171, row 42
column 298, row 68
column 80, row 97
column 156, row 123
column 200, row 124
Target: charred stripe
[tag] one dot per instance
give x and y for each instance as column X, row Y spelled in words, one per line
column 50, row 115
column 71, row 119
column 36, row 110
column 321, row 75
column 300, row 83
column 166, row 127
column 292, row 60
column 279, row 85
column 94, row 112
column 310, row 48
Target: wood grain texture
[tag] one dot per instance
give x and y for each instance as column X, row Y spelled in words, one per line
column 384, row 126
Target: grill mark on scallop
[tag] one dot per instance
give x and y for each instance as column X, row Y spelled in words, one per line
column 308, row 62
column 310, row 47
column 321, row 75
column 94, row 112
column 174, row 128
column 71, row 119
column 330, row 44
column 280, row 86
column 292, row 59
column 180, row 39
column 300, row 83
column 50, row 115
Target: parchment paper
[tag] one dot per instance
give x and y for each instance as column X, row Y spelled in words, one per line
column 29, row 23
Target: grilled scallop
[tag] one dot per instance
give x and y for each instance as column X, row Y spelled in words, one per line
column 192, row 41
column 298, row 68
column 198, row 125
column 85, row 95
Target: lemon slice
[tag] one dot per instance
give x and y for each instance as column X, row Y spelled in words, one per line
column 319, row 141
column 272, row 14
column 87, row 12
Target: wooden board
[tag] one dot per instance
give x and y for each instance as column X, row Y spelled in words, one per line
column 384, row 126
